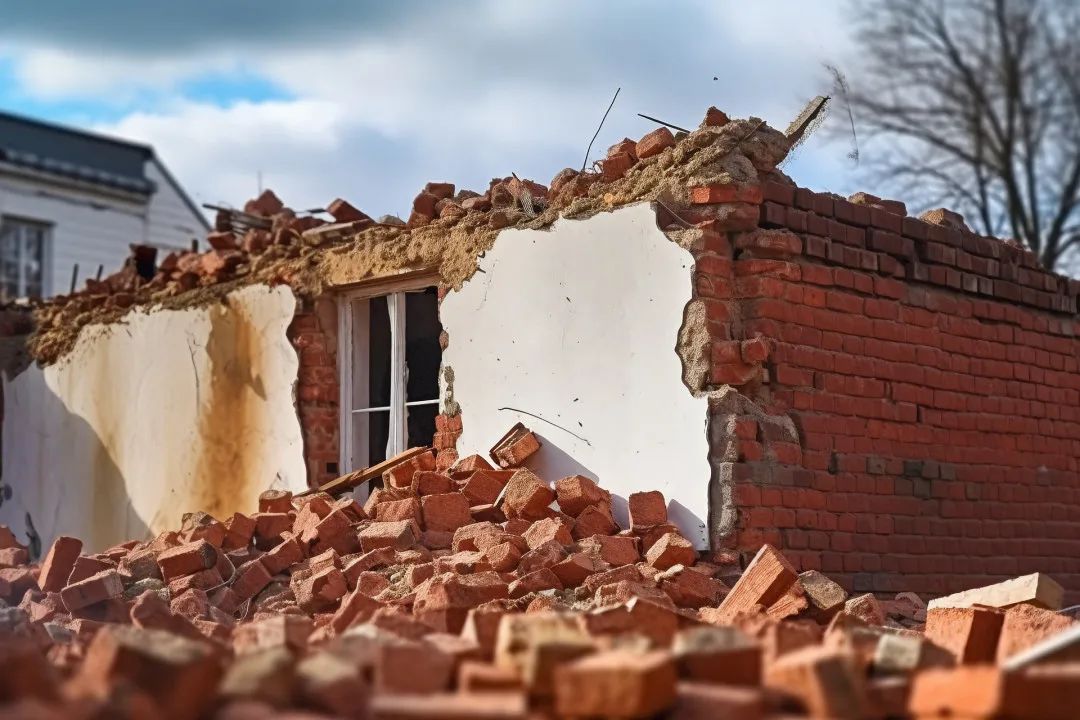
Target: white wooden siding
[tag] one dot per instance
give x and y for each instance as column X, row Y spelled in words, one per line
column 92, row 227
column 172, row 222
column 86, row 228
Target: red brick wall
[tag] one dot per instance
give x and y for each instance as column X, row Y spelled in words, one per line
column 916, row 422
column 313, row 333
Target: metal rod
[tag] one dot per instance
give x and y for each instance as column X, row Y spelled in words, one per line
column 370, row 410
column 194, row 245
column 589, row 149
column 657, row 120
column 74, row 277
column 422, row 402
column 100, row 269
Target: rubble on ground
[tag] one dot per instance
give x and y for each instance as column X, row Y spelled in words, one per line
column 488, row 592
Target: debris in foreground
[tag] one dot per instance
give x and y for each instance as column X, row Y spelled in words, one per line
column 485, row 592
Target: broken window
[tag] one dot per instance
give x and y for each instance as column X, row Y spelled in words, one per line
column 22, row 258
column 390, row 374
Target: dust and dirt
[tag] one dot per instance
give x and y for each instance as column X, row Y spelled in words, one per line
column 230, row 416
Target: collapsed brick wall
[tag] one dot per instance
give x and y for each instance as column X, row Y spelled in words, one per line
column 931, row 377
column 313, row 333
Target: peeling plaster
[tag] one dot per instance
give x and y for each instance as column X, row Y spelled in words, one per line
column 171, row 411
column 578, row 328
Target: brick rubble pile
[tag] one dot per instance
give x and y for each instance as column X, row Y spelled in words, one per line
column 485, row 592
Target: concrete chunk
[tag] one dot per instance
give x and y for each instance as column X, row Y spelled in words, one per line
column 1036, row 589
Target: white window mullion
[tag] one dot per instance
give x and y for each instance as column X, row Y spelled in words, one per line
column 20, row 233
column 398, row 434
column 347, row 361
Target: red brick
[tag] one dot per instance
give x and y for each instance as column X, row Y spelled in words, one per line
column 187, row 559
column 180, row 675
column 654, row 143
column 275, row 501
column 94, row 589
column 1025, row 625
column 58, row 563
column 400, row 535
column 577, row 492
column 547, row 530
column 616, row 683
column 970, row 634
column 646, row 510
column 671, row 549
column 446, row 512
column 527, row 496
column 594, row 520
column 613, row 549
column 705, row 701
column 824, row 681
column 450, row 706
column 765, row 580
column 726, row 193
column 723, row 655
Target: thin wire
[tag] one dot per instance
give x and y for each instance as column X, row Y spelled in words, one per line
column 526, row 412
column 597, row 133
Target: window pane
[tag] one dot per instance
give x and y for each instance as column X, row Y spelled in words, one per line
column 378, row 346
column 422, row 358
column 33, row 249
column 9, row 260
column 370, row 434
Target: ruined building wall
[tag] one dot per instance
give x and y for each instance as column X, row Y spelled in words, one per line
column 313, row 334
column 912, row 421
column 573, row 332
column 162, row 414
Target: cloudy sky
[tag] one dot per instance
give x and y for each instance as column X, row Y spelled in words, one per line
column 369, row 100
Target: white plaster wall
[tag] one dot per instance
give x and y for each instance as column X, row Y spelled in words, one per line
column 167, row 412
column 578, row 325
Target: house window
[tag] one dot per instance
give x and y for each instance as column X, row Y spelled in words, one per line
column 390, row 373
column 22, row 258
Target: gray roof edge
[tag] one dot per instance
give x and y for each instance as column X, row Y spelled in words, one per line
column 67, row 129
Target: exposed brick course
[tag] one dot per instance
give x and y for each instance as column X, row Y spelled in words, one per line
column 931, row 378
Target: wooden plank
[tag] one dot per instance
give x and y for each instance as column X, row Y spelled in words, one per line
column 351, row 480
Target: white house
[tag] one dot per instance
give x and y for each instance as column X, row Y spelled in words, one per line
column 72, row 198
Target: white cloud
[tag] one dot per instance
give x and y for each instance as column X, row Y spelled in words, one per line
column 462, row 92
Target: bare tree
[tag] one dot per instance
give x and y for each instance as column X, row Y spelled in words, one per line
column 979, row 101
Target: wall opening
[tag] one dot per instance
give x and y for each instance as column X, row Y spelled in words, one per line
column 390, row 359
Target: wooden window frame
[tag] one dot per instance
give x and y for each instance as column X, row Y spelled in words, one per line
column 394, row 289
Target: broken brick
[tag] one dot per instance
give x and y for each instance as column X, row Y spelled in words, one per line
column 689, row 588
column 825, row 682
column 58, row 563
column 765, row 580
column 187, row 559
column 577, row 492
column 526, row 496
column 672, row 549
column 446, row 512
column 483, row 486
column 612, row 549
column 723, row 655
column 94, row 589
column 547, row 530
column 647, row 509
column 970, row 634
column 400, row 535
column 654, row 143
column 616, row 683
column 594, row 520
